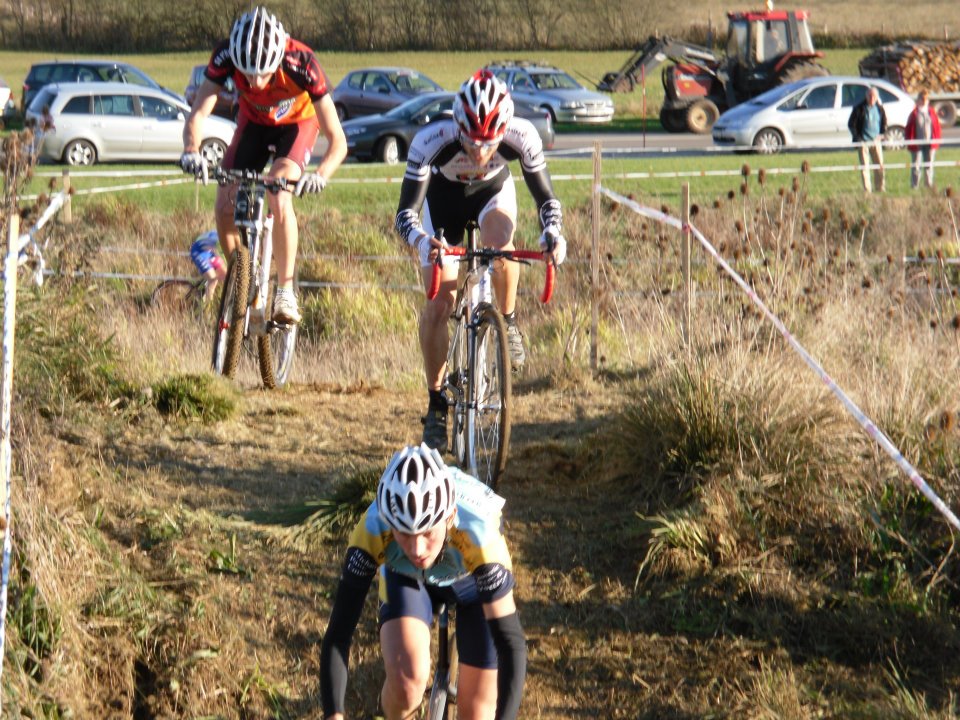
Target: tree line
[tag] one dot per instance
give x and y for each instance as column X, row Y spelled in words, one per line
column 131, row 26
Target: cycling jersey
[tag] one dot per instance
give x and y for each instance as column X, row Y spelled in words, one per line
column 436, row 157
column 296, row 85
column 475, row 547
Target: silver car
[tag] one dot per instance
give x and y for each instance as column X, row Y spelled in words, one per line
column 101, row 122
column 547, row 87
column 809, row 113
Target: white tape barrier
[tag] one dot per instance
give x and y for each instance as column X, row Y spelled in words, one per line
column 118, row 188
column 871, row 429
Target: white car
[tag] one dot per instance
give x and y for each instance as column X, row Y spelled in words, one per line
column 107, row 122
column 809, row 113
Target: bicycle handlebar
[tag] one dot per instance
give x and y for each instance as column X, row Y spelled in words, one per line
column 490, row 253
column 273, row 184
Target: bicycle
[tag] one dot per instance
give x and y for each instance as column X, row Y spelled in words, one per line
column 247, row 298
column 443, row 693
column 477, row 382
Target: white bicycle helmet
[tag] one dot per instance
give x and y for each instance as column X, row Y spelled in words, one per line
column 416, row 492
column 483, row 107
column 257, row 42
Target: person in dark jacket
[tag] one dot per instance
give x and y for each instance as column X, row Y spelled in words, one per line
column 868, row 124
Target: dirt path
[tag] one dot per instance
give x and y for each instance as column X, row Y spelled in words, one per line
column 248, row 610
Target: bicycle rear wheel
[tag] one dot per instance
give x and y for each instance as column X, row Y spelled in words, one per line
column 489, row 391
column 178, row 295
column 275, row 352
column 228, row 335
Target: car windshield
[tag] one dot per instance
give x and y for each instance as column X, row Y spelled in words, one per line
column 406, row 110
column 771, row 97
column 136, row 77
column 46, row 96
column 412, row 82
column 554, row 81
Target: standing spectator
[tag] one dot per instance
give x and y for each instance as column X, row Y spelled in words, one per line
column 868, row 123
column 923, row 125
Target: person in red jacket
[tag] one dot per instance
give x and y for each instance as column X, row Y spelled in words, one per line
column 923, row 126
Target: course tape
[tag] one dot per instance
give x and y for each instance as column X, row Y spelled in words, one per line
column 866, row 423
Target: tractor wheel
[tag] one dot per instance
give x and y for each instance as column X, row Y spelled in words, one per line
column 673, row 120
column 799, row 71
column 701, row 116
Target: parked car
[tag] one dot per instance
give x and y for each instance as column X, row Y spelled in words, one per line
column 7, row 107
column 101, row 122
column 811, row 112
column 387, row 137
column 554, row 90
column 227, row 98
column 66, row 71
column 378, row 89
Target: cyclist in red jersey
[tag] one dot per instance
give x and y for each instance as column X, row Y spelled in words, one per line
column 285, row 103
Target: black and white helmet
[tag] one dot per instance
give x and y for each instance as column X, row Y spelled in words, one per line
column 257, row 42
column 416, row 492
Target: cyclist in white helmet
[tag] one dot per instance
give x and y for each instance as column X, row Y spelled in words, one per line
column 433, row 534
column 458, row 171
column 285, row 103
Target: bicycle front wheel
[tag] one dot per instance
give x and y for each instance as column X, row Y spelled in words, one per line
column 178, row 296
column 456, row 385
column 275, row 353
column 228, row 335
column 489, row 393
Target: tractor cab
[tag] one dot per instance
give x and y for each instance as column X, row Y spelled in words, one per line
column 762, row 44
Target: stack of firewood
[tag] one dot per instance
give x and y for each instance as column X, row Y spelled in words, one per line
column 915, row 66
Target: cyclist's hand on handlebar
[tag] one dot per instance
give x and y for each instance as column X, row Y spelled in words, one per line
column 310, row 183
column 429, row 248
column 553, row 242
column 193, row 163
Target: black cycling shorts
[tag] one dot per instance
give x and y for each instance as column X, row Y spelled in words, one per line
column 451, row 205
column 250, row 148
column 406, row 597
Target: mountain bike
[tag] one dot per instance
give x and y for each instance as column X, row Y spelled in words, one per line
column 477, row 382
column 247, row 299
column 443, row 693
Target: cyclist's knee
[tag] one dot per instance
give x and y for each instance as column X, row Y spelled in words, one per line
column 404, row 688
column 437, row 311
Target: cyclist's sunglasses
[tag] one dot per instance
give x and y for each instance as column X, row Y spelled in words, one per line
column 468, row 142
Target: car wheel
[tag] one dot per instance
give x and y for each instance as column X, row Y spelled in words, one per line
column 341, row 112
column 549, row 110
column 212, row 151
column 80, row 152
column 388, row 151
column 768, row 141
column 947, row 112
column 895, row 138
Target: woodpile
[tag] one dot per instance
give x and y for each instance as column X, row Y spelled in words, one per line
column 914, row 66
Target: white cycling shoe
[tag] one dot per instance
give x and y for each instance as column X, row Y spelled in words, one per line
column 285, row 309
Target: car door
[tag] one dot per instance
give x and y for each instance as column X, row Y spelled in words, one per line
column 119, row 126
column 376, row 96
column 162, row 124
column 815, row 120
column 522, row 87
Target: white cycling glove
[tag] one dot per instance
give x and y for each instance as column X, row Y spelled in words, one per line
column 193, row 163
column 424, row 248
column 310, row 183
column 552, row 241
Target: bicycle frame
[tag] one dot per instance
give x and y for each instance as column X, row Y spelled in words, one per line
column 443, row 692
column 256, row 232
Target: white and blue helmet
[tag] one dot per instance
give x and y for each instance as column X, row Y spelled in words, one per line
column 257, row 42
column 417, row 491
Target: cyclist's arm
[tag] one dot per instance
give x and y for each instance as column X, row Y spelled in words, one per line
column 359, row 569
column 548, row 206
column 203, row 105
column 508, row 637
column 413, row 191
column 333, row 132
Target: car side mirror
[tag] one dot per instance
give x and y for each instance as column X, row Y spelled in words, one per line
column 423, row 120
column 180, row 115
column 383, row 90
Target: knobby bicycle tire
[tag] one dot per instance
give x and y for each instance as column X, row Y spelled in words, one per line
column 489, row 387
column 275, row 352
column 228, row 334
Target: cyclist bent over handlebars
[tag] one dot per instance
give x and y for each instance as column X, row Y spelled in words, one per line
column 284, row 103
column 433, row 535
column 457, row 171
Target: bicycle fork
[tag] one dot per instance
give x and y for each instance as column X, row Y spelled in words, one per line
column 480, row 295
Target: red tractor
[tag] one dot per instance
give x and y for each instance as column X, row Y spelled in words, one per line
column 765, row 48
